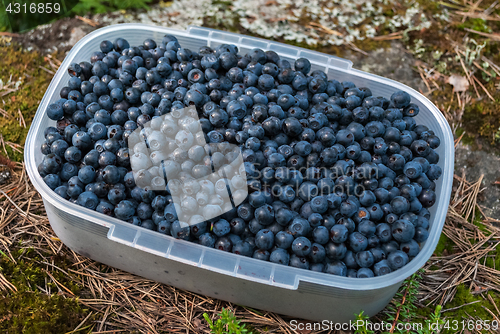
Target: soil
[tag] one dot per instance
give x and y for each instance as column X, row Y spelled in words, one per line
column 58, row 36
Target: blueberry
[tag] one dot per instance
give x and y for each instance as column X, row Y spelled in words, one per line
column 400, row 205
column 243, row 248
column 264, row 214
column 421, row 234
column 280, row 256
column 207, row 239
column 410, row 247
column 364, row 259
column 365, row 273
column 299, row 227
column 221, row 228
column 366, row 227
column 88, row 200
column 338, row 233
column 397, row 259
column 52, row 180
column 58, row 147
column 427, row 197
column 182, row 231
column 261, row 254
column 51, row 164
column 303, row 65
column 433, row 173
column 105, row 207
column 87, row 174
column 111, row 174
column 381, row 268
column 74, row 70
column 403, row 231
column 319, row 204
column 301, row 246
column 237, row 226
column 357, row 242
column 55, row 111
column 412, row 169
column 401, row 99
column 396, row 162
column 62, row 191
column 336, row 268
column 383, row 232
column 335, row 251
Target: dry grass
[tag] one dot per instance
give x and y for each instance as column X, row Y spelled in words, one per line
column 472, row 246
column 121, row 302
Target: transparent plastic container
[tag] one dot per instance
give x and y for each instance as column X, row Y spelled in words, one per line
column 285, row 290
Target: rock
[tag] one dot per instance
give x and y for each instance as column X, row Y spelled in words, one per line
column 58, row 36
column 77, row 34
column 474, row 163
column 394, row 63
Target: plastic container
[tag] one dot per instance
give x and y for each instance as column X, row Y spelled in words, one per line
column 286, row 290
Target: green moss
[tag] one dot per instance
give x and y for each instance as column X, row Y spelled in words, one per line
column 29, row 310
column 444, row 243
column 475, row 24
column 493, row 259
column 483, row 116
column 466, row 139
column 25, row 67
column 464, row 311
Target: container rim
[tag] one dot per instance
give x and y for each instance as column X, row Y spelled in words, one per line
column 300, row 275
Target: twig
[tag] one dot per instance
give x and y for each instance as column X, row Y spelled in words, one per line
column 457, row 141
column 484, row 88
column 81, row 323
column 46, row 70
column 478, row 16
column 388, row 37
column 5, row 283
column 456, row 308
column 4, row 113
column 88, row 21
column 355, row 48
column 22, row 122
column 9, row 34
column 399, row 310
column 493, row 36
column 327, row 30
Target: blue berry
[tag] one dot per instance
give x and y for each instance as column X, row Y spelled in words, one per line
column 357, row 242
column 403, row 231
column 338, row 233
column 52, row 180
column 280, row 256
column 381, row 268
column 336, row 268
column 221, row 228
column 397, row 259
column 365, row 273
column 88, row 200
column 301, row 246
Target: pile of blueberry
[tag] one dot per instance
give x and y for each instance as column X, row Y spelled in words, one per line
column 339, row 180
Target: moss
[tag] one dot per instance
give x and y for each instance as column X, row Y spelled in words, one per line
column 444, row 243
column 493, row 259
column 29, row 310
column 466, row 139
column 483, row 116
column 463, row 311
column 475, row 24
column 21, row 66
